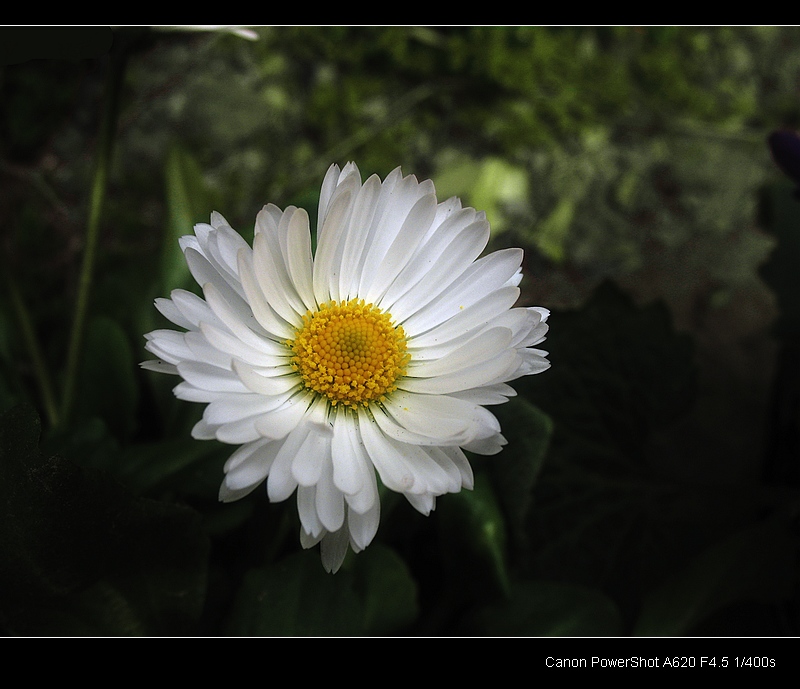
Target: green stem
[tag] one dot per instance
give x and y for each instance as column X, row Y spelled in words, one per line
column 35, row 352
column 114, row 76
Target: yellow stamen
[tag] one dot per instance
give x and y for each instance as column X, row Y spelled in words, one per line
column 350, row 352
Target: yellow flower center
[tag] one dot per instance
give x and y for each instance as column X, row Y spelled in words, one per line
column 349, row 352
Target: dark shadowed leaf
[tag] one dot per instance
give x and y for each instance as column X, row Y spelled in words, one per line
column 189, row 201
column 514, row 472
column 754, row 564
column 80, row 555
column 108, row 388
column 473, row 540
column 296, row 597
column 543, row 608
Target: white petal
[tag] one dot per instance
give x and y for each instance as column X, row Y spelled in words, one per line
column 486, row 446
column 329, row 500
column 431, row 251
column 160, row 367
column 168, row 345
column 490, row 394
column 329, row 183
column 204, row 273
column 390, row 464
column 399, row 228
column 221, row 249
column 486, row 275
column 285, row 240
column 262, row 353
column 330, row 247
column 193, row 308
column 227, row 494
column 429, row 477
column 273, row 281
column 203, row 351
column 444, row 420
column 333, row 178
column 237, row 432
column 363, row 527
column 471, row 352
column 203, row 431
column 533, row 361
column 281, row 483
column 346, row 451
column 296, row 245
column 403, row 467
column 189, row 393
column 233, row 407
column 357, row 240
column 208, row 377
column 333, row 550
column 483, row 313
column 424, row 503
column 249, row 465
column 171, row 312
column 277, row 380
column 462, row 464
column 313, row 455
column 485, row 373
column 463, row 250
column 284, row 420
column 307, row 511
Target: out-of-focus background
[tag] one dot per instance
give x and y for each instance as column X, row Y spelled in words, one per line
column 651, row 483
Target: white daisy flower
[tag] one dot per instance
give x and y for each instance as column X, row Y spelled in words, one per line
column 375, row 353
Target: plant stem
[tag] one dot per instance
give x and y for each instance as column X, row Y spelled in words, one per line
column 32, row 344
column 114, row 77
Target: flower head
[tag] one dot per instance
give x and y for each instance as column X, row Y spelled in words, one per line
column 374, row 354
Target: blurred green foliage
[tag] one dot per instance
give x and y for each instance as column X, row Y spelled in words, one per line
column 650, row 484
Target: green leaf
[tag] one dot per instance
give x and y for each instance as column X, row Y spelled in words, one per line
column 107, row 383
column 296, row 597
column 604, row 512
column 544, row 608
column 189, row 201
column 514, row 472
column 619, row 372
column 473, row 537
column 387, row 589
column 146, row 467
column 756, row 563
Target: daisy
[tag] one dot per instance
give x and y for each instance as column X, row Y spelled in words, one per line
column 374, row 354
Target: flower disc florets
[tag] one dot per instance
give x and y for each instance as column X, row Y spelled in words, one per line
column 350, row 352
